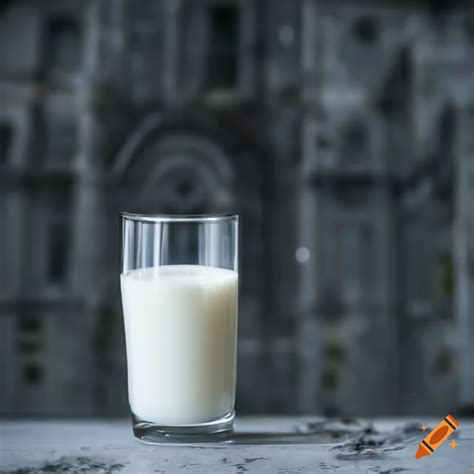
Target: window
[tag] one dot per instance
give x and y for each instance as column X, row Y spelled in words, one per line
column 323, row 142
column 57, row 235
column 355, row 148
column 63, row 45
column 353, row 241
column 58, row 240
column 32, row 374
column 6, row 141
column 29, row 325
column 223, row 47
column 444, row 276
column 29, row 328
column 62, row 137
column 365, row 30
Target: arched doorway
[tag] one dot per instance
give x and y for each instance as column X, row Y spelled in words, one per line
column 176, row 172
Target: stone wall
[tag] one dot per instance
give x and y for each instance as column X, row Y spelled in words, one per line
column 339, row 133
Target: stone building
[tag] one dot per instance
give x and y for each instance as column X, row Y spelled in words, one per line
column 341, row 134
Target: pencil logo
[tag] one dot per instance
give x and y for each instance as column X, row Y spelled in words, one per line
column 437, row 437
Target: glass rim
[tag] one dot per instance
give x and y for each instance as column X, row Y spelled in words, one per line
column 190, row 218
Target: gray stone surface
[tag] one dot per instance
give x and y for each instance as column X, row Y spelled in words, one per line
column 276, row 445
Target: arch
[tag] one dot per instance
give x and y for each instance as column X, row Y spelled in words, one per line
column 157, row 125
column 176, row 166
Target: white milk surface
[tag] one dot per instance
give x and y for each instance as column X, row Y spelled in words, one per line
column 181, row 336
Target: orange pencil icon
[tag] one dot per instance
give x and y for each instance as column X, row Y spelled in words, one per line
column 437, row 437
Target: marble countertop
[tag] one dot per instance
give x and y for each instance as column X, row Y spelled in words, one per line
column 260, row 444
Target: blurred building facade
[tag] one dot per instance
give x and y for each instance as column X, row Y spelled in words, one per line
column 342, row 135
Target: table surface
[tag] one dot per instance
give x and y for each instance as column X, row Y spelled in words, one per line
column 260, row 444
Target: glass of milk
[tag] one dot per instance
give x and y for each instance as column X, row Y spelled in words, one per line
column 179, row 285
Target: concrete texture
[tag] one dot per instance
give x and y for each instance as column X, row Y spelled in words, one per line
column 290, row 445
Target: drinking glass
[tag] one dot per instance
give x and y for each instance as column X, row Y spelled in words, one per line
column 179, row 286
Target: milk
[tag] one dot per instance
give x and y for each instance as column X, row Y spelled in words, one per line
column 181, row 331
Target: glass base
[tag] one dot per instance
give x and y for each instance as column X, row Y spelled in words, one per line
column 210, row 432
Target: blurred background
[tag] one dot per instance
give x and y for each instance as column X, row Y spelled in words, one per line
column 341, row 132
